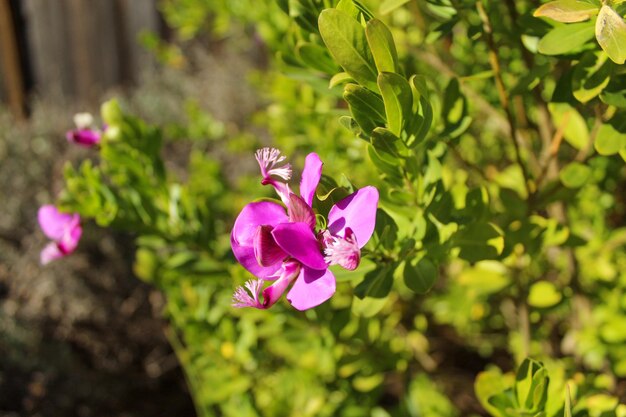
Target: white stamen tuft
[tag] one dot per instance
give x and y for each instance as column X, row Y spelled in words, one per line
column 268, row 158
column 344, row 252
column 249, row 298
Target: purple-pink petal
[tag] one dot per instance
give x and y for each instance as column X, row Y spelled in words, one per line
column 289, row 271
column 298, row 240
column 70, row 239
column 300, row 211
column 54, row 223
column 85, row 137
column 49, row 253
column 266, row 251
column 312, row 288
column 358, row 212
column 310, row 177
column 251, row 217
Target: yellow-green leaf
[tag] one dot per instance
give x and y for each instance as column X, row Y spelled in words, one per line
column 382, row 46
column 567, row 11
column 543, row 294
column 345, row 39
column 611, row 34
column 566, row 39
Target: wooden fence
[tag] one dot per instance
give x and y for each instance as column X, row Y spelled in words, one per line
column 71, row 48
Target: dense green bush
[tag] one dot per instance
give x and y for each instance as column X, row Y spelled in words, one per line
column 495, row 132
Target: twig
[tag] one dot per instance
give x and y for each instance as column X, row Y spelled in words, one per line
column 502, row 92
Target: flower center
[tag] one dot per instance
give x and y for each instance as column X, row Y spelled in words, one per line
column 342, row 251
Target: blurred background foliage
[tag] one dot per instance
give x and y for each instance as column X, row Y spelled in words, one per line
column 501, row 233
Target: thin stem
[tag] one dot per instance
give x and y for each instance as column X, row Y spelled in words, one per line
column 502, row 92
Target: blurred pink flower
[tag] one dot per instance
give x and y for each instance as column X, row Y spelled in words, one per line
column 85, row 133
column 63, row 229
column 283, row 246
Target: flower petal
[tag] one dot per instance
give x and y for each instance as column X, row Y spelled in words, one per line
column 358, row 212
column 50, row 253
column 70, row 239
column 84, row 137
column 266, row 251
column 310, row 177
column 289, row 272
column 54, row 223
column 312, row 288
column 298, row 240
column 300, row 211
column 242, row 237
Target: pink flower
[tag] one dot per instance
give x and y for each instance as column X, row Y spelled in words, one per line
column 282, row 246
column 63, row 229
column 85, row 134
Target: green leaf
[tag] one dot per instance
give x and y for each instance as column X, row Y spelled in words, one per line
column 575, row 175
column 454, row 111
column 398, row 100
column 544, row 294
column 567, row 119
column 389, row 6
column 611, row 137
column 346, row 41
column 567, row 11
column 591, row 75
column 566, row 39
column 531, row 377
column 339, row 78
column 422, row 117
column 479, row 241
column 387, row 164
column 611, row 34
column 376, row 284
column 366, row 107
column 316, row 57
column 384, row 142
column 382, row 46
column 567, row 410
column 420, row 276
column 489, row 384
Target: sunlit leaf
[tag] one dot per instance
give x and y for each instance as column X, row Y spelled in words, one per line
column 567, row 11
column 544, row 294
column 346, row 41
column 611, row 34
column 566, row 39
column 575, row 175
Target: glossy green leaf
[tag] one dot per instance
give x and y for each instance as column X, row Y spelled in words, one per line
column 376, row 284
column 544, row 294
column 346, row 41
column 398, row 100
column 479, row 241
column 422, row 117
column 591, row 75
column 489, row 384
column 420, row 276
column 611, row 34
column 388, row 6
column 575, row 175
column 366, row 107
column 567, row 11
column 382, row 46
column 531, row 386
column 566, row 39
column 316, row 57
column 571, row 123
column 611, row 138
column 384, row 141
column 338, row 79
